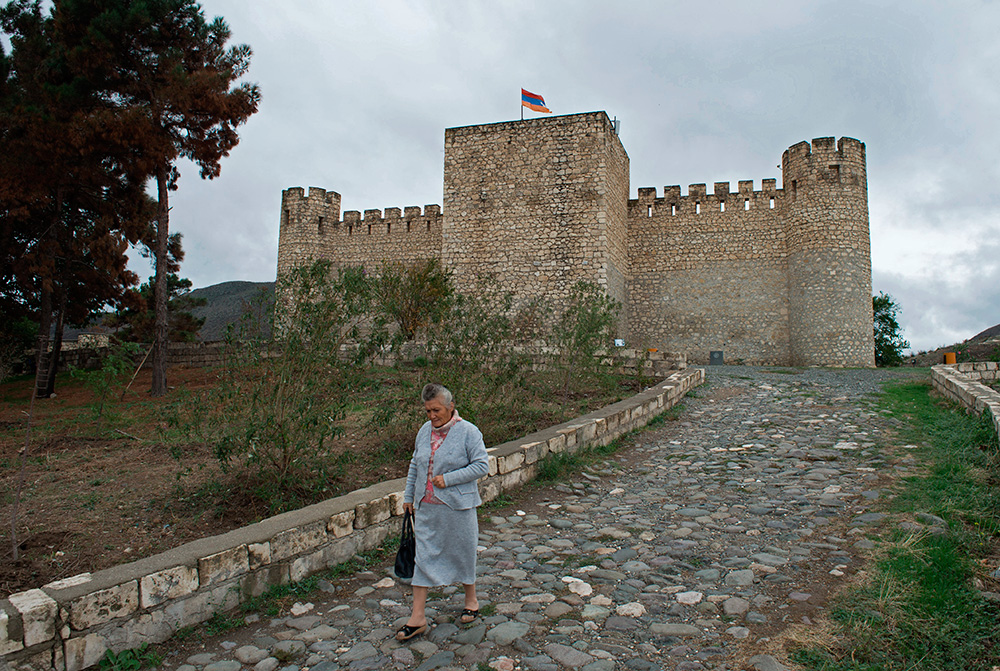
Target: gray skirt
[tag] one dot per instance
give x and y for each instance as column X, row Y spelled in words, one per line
column 446, row 545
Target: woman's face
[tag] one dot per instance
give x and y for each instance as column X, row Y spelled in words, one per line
column 438, row 412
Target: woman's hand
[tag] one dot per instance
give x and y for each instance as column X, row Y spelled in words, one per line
column 438, row 481
column 408, row 508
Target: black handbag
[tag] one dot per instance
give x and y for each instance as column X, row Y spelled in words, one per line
column 407, row 554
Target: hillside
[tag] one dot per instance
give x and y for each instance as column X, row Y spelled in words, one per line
column 984, row 346
column 225, row 303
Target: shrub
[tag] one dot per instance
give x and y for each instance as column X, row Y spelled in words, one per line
column 278, row 402
column 583, row 334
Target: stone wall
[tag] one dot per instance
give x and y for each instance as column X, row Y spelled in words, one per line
column 70, row 624
column 196, row 354
column 709, row 272
column 775, row 276
column 962, row 383
column 311, row 228
column 535, row 206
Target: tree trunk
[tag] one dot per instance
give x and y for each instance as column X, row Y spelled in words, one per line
column 50, row 385
column 44, row 328
column 160, row 286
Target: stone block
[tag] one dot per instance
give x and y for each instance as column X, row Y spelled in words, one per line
column 396, row 504
column 373, row 512
column 73, row 581
column 530, row 451
column 258, row 554
column 201, row 605
column 340, row 524
column 511, row 462
column 374, row 537
column 259, row 581
column 557, row 444
column 587, row 432
column 162, row 586
column 224, row 565
column 84, row 651
column 297, row 540
column 341, row 550
column 11, row 636
column 494, row 467
column 104, row 605
column 569, row 433
column 306, row 565
column 489, row 488
column 37, row 611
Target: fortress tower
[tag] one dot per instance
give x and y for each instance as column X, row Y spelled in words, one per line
column 534, row 206
column 306, row 221
column 829, row 253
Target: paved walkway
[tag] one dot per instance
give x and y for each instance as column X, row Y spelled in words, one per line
column 691, row 550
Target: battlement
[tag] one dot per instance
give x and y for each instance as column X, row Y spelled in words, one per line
column 698, row 200
column 390, row 222
column 847, row 149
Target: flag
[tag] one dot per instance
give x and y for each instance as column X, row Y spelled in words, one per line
column 534, row 102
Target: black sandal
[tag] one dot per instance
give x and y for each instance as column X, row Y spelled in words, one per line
column 406, row 632
column 473, row 615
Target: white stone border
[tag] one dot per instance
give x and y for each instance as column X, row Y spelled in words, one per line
column 961, row 383
column 70, row 624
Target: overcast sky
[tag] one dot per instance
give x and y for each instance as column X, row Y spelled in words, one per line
column 357, row 95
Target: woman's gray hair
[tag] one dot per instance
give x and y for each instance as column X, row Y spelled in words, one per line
column 435, row 390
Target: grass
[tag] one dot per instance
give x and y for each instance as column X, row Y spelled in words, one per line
column 917, row 608
column 131, row 660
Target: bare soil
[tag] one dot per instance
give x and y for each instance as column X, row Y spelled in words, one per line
column 89, row 503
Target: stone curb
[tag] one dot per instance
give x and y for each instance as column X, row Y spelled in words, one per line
column 961, row 383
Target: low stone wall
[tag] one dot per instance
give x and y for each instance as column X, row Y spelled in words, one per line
column 70, row 624
column 195, row 354
column 962, row 383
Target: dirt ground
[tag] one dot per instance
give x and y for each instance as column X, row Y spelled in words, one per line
column 90, row 503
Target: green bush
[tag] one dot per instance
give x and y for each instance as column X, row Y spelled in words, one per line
column 583, row 334
column 278, row 402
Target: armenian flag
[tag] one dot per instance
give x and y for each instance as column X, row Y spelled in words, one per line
column 534, row 101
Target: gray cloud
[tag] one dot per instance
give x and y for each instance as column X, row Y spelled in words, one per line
column 356, row 97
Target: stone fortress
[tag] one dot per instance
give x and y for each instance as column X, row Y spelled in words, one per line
column 764, row 277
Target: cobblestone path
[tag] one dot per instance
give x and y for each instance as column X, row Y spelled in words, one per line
column 691, row 550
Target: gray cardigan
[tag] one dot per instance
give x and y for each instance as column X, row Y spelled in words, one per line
column 461, row 459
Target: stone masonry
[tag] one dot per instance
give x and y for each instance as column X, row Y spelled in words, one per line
column 770, row 276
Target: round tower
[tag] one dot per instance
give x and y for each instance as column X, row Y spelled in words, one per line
column 306, row 221
column 829, row 254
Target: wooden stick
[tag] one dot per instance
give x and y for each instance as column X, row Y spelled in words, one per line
column 136, row 372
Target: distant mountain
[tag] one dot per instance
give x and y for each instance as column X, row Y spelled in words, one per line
column 225, row 303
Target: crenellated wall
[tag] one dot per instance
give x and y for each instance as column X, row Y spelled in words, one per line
column 311, row 228
column 709, row 271
column 778, row 276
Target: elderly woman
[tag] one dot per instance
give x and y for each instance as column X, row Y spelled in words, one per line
column 448, row 457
